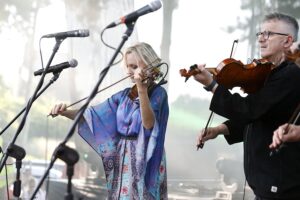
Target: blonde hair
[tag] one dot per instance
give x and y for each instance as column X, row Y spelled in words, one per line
column 145, row 52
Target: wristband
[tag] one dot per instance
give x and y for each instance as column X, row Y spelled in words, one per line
column 210, row 86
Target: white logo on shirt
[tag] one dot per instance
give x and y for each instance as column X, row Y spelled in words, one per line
column 274, row 189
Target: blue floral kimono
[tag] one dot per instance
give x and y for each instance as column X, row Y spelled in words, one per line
column 133, row 157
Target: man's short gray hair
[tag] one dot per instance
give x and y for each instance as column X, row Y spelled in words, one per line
column 285, row 18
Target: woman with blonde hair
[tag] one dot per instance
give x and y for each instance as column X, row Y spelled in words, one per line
column 129, row 133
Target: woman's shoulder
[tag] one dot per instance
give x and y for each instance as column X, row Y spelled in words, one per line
column 158, row 89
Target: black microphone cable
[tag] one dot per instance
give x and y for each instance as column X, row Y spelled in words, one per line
column 111, row 47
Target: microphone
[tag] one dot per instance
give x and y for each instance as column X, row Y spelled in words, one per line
column 74, row 33
column 58, row 68
column 153, row 6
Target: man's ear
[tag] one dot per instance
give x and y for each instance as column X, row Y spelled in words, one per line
column 289, row 41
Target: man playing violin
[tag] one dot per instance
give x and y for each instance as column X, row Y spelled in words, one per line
column 288, row 132
column 252, row 119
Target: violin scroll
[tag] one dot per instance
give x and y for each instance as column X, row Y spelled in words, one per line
column 187, row 74
column 194, row 70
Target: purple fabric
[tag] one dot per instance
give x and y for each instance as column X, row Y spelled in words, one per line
column 142, row 169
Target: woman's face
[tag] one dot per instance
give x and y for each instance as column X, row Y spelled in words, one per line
column 134, row 65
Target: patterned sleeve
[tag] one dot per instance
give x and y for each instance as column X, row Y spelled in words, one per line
column 99, row 123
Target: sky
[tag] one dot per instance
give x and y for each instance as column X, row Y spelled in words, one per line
column 198, row 36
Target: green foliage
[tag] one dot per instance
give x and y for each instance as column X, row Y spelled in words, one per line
column 187, row 117
column 37, row 123
column 9, row 105
column 193, row 105
column 191, row 114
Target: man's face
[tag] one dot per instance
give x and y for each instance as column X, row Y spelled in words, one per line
column 274, row 43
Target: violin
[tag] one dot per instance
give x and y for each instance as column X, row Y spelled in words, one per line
column 233, row 73
column 293, row 56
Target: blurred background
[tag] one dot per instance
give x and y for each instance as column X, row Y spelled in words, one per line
column 182, row 32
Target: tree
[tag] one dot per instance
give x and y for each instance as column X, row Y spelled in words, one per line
column 21, row 16
column 168, row 8
column 257, row 10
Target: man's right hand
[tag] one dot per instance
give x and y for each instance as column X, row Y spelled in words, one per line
column 212, row 133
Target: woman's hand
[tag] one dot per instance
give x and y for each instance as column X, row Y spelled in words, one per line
column 61, row 109
column 58, row 109
column 139, row 76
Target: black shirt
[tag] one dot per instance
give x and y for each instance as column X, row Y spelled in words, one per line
column 252, row 119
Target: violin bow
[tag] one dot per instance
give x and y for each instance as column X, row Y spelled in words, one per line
column 233, row 44
column 211, row 113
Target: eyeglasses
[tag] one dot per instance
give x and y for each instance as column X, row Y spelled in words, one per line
column 266, row 34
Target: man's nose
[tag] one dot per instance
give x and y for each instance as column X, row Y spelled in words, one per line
column 261, row 39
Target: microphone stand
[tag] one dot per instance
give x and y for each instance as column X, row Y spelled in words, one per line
column 53, row 79
column 29, row 104
column 18, row 153
column 70, row 156
column 80, row 112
